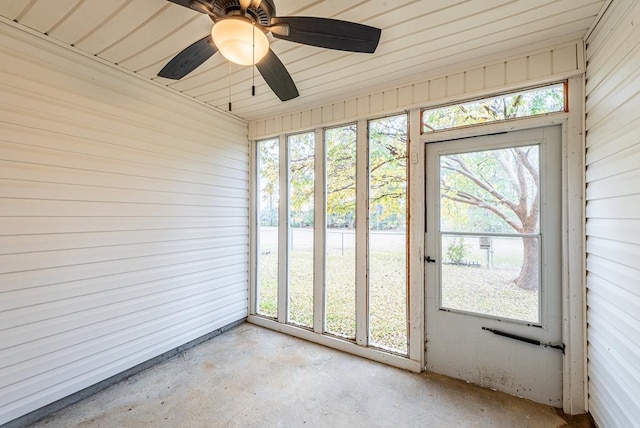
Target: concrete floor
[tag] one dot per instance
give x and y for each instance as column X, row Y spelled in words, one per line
column 253, row 377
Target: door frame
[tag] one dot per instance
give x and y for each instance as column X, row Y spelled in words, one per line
column 573, row 228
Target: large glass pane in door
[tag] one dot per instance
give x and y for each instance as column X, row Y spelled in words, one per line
column 301, row 149
column 489, row 223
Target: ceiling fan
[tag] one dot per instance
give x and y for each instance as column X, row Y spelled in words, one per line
column 240, row 29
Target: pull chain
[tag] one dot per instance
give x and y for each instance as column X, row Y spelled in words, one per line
column 253, row 61
column 229, row 85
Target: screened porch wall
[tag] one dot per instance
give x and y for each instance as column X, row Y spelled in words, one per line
column 534, row 68
column 123, row 221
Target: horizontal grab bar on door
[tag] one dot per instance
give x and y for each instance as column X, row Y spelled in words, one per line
column 524, row 339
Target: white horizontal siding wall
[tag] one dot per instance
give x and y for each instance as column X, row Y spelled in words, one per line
column 123, row 221
column 613, row 216
column 547, row 65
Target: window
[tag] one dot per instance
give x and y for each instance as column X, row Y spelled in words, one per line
column 388, row 233
column 301, row 151
column 549, row 99
column 323, row 257
column 268, row 226
column 340, row 252
column 490, row 232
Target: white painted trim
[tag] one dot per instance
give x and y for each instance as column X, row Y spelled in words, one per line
column 495, row 128
column 254, row 236
column 362, row 233
column 283, row 232
column 339, row 344
column 573, row 232
column 583, row 243
column 319, row 232
column 416, row 277
column 596, row 21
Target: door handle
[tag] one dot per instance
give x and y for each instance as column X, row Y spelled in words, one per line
column 428, row 259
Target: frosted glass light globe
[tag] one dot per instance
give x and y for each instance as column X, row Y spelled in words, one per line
column 239, row 40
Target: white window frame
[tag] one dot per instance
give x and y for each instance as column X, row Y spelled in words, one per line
column 414, row 361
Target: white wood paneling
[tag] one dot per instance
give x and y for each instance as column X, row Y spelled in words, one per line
column 613, row 215
column 531, row 68
column 419, row 38
column 124, row 228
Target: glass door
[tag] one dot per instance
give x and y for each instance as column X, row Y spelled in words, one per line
column 493, row 262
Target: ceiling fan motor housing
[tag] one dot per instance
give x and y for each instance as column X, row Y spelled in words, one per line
column 261, row 14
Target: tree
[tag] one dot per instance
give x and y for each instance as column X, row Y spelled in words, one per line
column 301, row 179
column 388, row 175
column 530, row 103
column 388, row 172
column 503, row 184
column 341, row 176
column 268, row 160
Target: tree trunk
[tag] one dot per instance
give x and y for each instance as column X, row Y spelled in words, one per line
column 528, row 277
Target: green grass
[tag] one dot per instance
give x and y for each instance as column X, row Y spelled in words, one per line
column 489, row 292
column 470, row 289
column 387, row 295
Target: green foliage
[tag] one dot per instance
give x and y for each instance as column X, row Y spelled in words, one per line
column 457, row 250
column 388, row 172
column 341, row 176
column 301, row 179
column 269, row 165
column 387, row 166
column 511, row 106
column 490, row 191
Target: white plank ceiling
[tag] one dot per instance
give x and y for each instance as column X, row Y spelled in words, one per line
column 419, row 38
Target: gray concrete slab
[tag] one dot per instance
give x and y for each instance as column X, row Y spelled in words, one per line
column 254, row 377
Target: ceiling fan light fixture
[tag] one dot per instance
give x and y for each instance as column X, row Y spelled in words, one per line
column 239, row 40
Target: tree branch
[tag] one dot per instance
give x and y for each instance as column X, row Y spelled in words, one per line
column 469, row 199
column 464, row 170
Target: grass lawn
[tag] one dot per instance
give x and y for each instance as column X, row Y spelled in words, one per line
column 471, row 289
column 387, row 297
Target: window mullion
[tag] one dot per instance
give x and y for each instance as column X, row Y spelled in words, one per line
column 415, row 238
column 283, row 233
column 320, row 226
column 362, row 234
column 254, row 222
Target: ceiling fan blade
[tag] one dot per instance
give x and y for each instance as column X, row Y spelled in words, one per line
column 328, row 33
column 189, row 59
column 197, row 5
column 277, row 77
